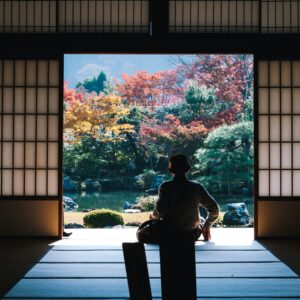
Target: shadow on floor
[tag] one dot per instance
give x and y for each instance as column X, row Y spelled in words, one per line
column 287, row 250
column 17, row 257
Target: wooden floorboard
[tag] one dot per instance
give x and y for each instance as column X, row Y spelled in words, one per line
column 100, row 270
column 105, row 288
column 211, row 246
column 115, row 256
column 90, row 265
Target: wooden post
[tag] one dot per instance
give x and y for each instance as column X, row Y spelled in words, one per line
column 178, row 267
column 137, row 271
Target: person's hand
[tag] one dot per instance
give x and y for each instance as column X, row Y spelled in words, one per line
column 206, row 233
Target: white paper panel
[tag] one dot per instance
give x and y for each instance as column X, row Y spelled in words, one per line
column 274, row 73
column 53, row 100
column 7, row 155
column 19, row 128
column 53, row 128
column 296, row 156
column 41, row 128
column 19, row 100
column 274, row 128
column 263, row 155
column 296, row 73
column 19, row 155
column 42, row 72
column 41, row 182
column 9, row 72
column 263, row 101
column 296, row 183
column 296, row 128
column 76, row 13
column 275, row 156
column 296, row 101
column 286, row 73
column 52, row 183
column 42, row 100
column 53, row 155
column 263, row 183
column 29, row 182
column 264, row 14
column 18, row 182
column 41, row 155
column 286, row 101
column 263, row 128
column 286, row 155
column 271, row 16
column 274, row 100
column 286, row 183
column 31, row 100
column 30, row 128
column 278, row 16
column 6, row 182
column 20, row 72
column 286, row 132
column 29, row 155
column 54, row 73
column 8, row 100
column 7, row 128
column 274, row 183
column 31, row 72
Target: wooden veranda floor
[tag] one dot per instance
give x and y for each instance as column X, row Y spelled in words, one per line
column 90, row 265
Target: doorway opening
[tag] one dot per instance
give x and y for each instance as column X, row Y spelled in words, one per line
column 126, row 114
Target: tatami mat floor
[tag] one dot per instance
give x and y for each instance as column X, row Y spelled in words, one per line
column 90, row 265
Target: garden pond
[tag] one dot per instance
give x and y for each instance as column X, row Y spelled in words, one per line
column 116, row 200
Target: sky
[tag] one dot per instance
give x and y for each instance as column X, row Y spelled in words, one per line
column 78, row 67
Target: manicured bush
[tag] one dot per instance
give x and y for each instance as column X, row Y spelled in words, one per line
column 146, row 203
column 102, row 217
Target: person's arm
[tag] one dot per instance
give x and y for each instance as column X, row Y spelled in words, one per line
column 158, row 212
column 212, row 207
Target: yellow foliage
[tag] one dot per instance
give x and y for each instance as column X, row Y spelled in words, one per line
column 97, row 117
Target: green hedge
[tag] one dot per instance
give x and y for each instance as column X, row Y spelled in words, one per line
column 102, row 217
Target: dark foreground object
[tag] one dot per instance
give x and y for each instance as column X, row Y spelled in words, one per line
column 178, row 268
column 137, row 271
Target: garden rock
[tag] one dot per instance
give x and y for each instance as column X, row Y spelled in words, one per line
column 73, row 226
column 70, row 185
column 237, row 215
column 156, row 182
column 69, row 203
column 91, row 185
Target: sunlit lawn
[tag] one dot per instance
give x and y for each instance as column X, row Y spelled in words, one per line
column 77, row 217
column 137, row 218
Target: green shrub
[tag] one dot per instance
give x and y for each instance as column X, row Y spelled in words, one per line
column 146, row 203
column 102, row 217
column 144, row 180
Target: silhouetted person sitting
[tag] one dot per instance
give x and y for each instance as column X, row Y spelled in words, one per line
column 179, row 200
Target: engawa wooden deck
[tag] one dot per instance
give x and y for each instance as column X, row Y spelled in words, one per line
column 90, row 265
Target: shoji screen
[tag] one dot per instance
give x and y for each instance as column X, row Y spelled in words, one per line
column 279, row 148
column 236, row 16
column 104, row 16
column 29, row 147
column 28, row 16
column 213, row 16
column 280, row 16
column 51, row 16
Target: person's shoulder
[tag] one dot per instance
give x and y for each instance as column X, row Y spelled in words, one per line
column 166, row 183
column 195, row 184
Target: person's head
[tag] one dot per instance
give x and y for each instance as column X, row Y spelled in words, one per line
column 178, row 164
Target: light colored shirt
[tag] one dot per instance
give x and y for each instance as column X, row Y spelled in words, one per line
column 179, row 200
